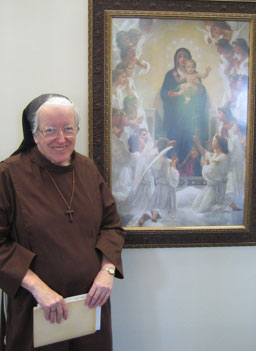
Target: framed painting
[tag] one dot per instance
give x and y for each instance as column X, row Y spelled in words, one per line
column 171, row 118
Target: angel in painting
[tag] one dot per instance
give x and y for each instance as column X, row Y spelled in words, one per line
column 215, row 172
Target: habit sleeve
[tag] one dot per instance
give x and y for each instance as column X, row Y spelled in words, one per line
column 111, row 236
column 14, row 258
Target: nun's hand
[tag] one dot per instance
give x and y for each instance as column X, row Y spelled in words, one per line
column 53, row 304
column 100, row 290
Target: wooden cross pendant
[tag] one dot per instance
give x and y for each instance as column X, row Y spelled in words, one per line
column 69, row 213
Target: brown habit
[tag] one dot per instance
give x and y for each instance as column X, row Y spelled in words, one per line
column 35, row 233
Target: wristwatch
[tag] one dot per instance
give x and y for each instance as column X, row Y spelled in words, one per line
column 111, row 271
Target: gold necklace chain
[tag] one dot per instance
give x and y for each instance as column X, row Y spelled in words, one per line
column 69, row 212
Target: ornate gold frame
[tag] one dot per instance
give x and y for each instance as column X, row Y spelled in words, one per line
column 100, row 17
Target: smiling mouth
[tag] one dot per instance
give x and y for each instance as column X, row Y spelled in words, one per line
column 60, row 148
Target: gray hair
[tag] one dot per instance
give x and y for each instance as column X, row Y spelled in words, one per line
column 52, row 100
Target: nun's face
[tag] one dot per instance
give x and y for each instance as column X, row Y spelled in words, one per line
column 56, row 148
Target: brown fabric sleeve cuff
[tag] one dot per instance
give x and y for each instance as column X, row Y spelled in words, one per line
column 110, row 244
column 15, row 269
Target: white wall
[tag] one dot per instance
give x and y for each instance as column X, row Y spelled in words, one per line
column 44, row 48
column 189, row 299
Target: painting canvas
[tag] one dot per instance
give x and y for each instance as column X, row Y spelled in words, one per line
column 179, row 120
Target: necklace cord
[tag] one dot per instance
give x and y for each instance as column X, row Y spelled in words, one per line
column 69, row 211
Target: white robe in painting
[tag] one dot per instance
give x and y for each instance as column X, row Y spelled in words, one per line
column 166, row 179
column 225, row 73
column 236, row 178
column 213, row 196
column 139, row 198
column 243, row 67
column 123, row 168
column 131, row 186
column 118, row 98
column 239, row 107
column 141, row 189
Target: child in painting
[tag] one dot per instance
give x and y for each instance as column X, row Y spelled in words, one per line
column 128, row 87
column 240, row 131
column 135, row 118
column 191, row 81
column 118, row 81
column 134, row 35
column 137, row 41
column 221, row 30
column 119, row 121
column 123, row 40
column 135, row 114
column 228, row 128
column 166, row 179
column 215, row 172
column 237, row 100
column 129, row 55
column 241, row 60
column 120, row 41
column 139, row 184
column 116, row 122
column 227, row 55
column 215, row 31
column 137, row 141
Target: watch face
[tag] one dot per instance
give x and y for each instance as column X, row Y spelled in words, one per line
column 110, row 270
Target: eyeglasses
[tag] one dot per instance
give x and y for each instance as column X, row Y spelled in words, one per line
column 52, row 132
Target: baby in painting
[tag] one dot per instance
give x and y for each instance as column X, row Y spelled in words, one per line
column 191, row 81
